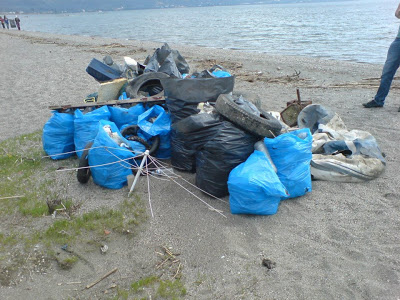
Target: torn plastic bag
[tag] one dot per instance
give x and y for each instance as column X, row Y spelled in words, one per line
column 254, row 187
column 109, row 163
column 58, row 136
column 156, row 121
column 340, row 168
column 121, row 116
column 86, row 126
column 182, row 98
column 291, row 154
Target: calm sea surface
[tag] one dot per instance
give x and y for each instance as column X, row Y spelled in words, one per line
column 359, row 30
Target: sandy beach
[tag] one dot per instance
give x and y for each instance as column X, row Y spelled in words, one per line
column 341, row 241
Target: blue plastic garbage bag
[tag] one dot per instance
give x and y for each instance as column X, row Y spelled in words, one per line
column 291, row 154
column 160, row 126
column 121, row 116
column 109, row 163
column 254, row 187
column 86, row 126
column 58, row 136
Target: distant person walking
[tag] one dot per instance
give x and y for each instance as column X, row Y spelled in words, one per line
column 389, row 70
column 17, row 21
column 2, row 22
column 6, row 21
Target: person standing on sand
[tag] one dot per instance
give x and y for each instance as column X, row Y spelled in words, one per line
column 17, row 21
column 2, row 22
column 6, row 21
column 389, row 70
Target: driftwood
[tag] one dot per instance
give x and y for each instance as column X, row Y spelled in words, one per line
column 101, row 278
column 152, row 99
column 12, row 197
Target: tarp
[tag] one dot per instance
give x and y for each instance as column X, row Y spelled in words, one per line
column 339, row 154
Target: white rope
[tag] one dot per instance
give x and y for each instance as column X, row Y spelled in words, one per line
column 156, row 163
column 148, row 189
column 208, row 205
column 196, row 187
column 121, row 148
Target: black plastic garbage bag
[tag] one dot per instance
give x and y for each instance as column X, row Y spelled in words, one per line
column 182, row 158
column 229, row 147
column 219, row 147
column 169, row 67
column 183, row 95
column 152, row 64
column 169, row 61
column 182, row 98
column 180, row 61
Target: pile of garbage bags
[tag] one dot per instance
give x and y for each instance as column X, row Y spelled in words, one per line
column 233, row 147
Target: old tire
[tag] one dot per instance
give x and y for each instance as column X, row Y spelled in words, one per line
column 148, row 83
column 130, row 133
column 83, row 174
column 264, row 125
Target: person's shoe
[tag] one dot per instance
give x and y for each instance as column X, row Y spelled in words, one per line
column 372, row 104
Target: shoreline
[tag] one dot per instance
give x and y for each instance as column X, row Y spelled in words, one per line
column 213, row 48
column 340, row 241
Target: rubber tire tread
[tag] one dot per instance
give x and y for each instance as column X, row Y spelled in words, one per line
column 152, row 148
column 130, row 130
column 132, row 90
column 264, row 127
column 83, row 175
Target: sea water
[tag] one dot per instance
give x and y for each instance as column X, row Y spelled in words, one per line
column 359, row 31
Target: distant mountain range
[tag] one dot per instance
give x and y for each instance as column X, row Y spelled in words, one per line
column 59, row 6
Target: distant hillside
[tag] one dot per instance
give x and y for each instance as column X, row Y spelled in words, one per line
column 58, row 6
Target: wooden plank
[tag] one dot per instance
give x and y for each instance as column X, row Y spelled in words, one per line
column 152, row 99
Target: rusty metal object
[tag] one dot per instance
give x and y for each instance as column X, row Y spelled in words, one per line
column 293, row 108
column 156, row 99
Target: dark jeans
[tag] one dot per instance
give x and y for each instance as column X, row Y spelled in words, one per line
column 389, row 70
